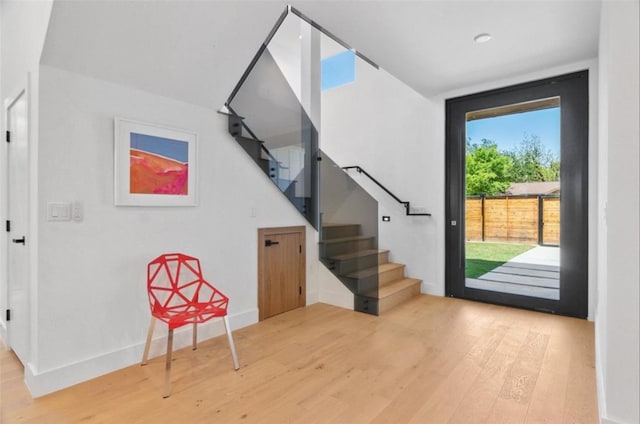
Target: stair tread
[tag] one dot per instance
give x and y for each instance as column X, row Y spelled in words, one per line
column 336, row 225
column 367, row 272
column 343, row 239
column 358, row 254
column 395, row 286
column 241, row 137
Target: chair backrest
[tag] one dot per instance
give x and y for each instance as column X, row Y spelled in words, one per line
column 178, row 292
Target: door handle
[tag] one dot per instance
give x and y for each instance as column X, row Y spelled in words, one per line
column 270, row 243
column 20, row 240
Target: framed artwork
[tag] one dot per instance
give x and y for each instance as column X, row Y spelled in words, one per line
column 154, row 165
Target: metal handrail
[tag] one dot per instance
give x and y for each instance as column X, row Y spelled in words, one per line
column 406, row 205
column 256, row 57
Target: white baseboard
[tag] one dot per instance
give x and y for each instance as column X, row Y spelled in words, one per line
column 3, row 335
column 41, row 383
column 602, row 407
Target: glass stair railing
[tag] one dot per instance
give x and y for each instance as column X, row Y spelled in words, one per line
column 268, row 121
column 349, row 234
column 275, row 115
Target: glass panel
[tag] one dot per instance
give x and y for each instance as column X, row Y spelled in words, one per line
column 275, row 115
column 512, row 184
column 276, row 130
column 349, row 233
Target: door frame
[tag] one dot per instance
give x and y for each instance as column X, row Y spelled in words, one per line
column 265, row 232
column 573, row 90
column 5, row 285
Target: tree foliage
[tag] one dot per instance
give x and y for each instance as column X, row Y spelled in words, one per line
column 487, row 169
column 490, row 171
column 531, row 161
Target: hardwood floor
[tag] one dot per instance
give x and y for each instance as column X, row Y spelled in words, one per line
column 431, row 360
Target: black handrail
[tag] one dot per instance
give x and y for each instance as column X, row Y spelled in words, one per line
column 257, row 56
column 405, row 204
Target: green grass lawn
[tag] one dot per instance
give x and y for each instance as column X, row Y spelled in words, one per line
column 483, row 257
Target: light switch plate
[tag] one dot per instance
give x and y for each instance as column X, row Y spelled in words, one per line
column 58, row 211
column 76, row 211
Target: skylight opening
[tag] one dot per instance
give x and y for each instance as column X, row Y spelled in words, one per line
column 338, row 70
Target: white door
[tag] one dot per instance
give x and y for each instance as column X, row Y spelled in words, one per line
column 18, row 241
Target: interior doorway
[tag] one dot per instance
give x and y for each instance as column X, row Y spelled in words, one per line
column 281, row 270
column 16, row 309
column 506, row 241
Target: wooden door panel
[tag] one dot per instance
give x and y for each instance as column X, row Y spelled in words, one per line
column 281, row 265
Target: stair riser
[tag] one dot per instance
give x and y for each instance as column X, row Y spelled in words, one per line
column 371, row 283
column 367, row 286
column 301, row 203
column 351, row 265
column 391, row 275
column 340, row 231
column 341, row 248
column 401, row 296
column 253, row 148
column 264, row 165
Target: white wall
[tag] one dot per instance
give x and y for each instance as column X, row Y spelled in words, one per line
column 391, row 131
column 618, row 309
column 92, row 305
column 23, row 27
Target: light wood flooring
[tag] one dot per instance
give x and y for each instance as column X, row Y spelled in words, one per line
column 430, row 360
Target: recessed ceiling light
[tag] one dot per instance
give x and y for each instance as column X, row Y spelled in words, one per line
column 482, row 38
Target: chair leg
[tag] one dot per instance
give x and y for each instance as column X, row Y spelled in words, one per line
column 236, row 365
column 195, row 336
column 167, row 382
column 145, row 355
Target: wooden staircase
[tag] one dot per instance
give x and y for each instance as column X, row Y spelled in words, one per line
column 365, row 270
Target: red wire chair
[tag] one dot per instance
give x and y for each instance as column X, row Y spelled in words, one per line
column 179, row 295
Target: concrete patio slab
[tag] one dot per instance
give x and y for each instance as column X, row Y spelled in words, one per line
column 535, row 273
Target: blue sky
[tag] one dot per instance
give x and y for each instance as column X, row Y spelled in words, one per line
column 508, row 130
column 165, row 147
column 338, row 70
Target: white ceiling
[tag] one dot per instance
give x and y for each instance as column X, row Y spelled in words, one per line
column 196, row 51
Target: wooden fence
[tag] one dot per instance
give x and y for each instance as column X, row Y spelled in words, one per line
column 522, row 219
